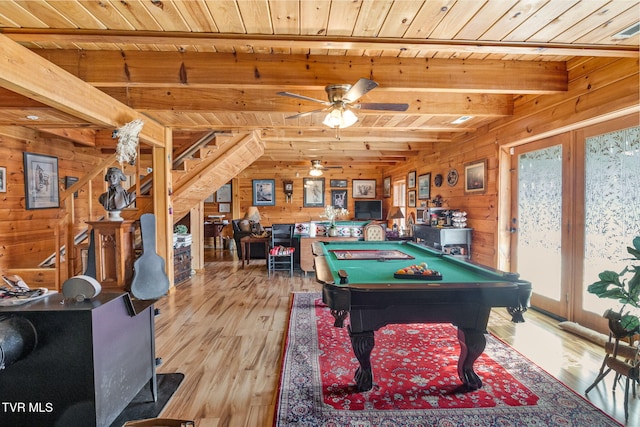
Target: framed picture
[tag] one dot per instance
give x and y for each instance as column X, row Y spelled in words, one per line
column 41, row 181
column 210, row 199
column 264, row 193
column 223, row 195
column 475, row 177
column 68, row 182
column 411, row 198
column 3, row 179
column 424, row 186
column 313, row 192
column 386, row 186
column 224, row 207
column 411, row 179
column 339, row 199
column 338, row 183
column 364, row 189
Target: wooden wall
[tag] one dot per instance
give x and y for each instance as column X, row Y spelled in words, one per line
column 27, row 237
column 599, row 89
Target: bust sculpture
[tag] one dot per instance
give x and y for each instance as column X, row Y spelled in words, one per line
column 116, row 197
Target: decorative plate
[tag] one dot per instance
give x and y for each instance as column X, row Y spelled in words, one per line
column 452, row 177
column 438, row 180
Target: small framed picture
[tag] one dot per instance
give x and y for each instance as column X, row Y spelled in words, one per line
column 411, row 198
column 411, row 179
column 424, row 186
column 386, row 186
column 68, row 182
column 264, row 192
column 339, row 199
column 313, row 196
column 364, row 189
column 338, row 183
column 224, row 207
column 223, row 195
column 41, row 181
column 475, row 177
column 3, row 179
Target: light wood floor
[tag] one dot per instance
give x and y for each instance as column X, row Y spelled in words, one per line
column 224, row 329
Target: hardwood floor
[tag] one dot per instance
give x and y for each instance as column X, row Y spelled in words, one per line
column 224, row 329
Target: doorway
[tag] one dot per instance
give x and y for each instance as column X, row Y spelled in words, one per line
column 575, row 208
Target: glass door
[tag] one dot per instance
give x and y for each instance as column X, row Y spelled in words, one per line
column 537, row 223
column 609, row 215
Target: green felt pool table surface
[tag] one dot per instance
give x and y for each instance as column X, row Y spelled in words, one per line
column 377, row 272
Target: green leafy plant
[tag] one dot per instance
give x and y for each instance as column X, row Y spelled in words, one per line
column 624, row 287
column 180, row 229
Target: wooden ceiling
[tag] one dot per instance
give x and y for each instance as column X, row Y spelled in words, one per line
column 202, row 66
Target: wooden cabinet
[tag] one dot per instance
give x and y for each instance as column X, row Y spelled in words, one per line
column 114, row 253
column 181, row 264
column 306, row 253
column 453, row 241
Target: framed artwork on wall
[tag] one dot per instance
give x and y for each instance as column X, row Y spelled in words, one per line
column 224, row 208
column 475, row 177
column 411, row 179
column 223, row 195
column 68, row 182
column 364, row 189
column 3, row 179
column 41, row 181
column 424, row 186
column 339, row 199
column 264, row 193
column 411, row 198
column 338, row 183
column 386, row 186
column 313, row 192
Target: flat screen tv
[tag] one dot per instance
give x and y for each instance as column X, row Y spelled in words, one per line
column 368, row 209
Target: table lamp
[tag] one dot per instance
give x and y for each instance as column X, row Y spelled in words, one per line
column 393, row 215
column 253, row 215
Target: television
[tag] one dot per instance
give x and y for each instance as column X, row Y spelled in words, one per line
column 368, row 209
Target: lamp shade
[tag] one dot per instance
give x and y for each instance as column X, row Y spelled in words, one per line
column 340, row 118
column 315, row 172
column 253, row 214
column 395, row 214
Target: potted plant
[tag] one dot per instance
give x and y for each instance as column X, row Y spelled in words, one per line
column 331, row 213
column 624, row 287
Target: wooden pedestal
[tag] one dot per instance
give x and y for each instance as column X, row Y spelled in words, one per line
column 114, row 254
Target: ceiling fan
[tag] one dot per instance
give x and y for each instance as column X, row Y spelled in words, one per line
column 342, row 100
column 317, row 168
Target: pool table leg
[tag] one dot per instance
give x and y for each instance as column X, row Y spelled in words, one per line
column 362, row 344
column 472, row 344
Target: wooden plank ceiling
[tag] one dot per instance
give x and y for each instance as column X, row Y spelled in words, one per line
column 204, row 66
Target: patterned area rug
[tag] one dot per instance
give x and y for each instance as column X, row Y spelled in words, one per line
column 415, row 380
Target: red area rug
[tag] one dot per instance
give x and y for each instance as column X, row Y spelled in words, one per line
column 415, row 380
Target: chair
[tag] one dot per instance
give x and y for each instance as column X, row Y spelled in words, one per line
column 374, row 231
column 281, row 249
column 624, row 359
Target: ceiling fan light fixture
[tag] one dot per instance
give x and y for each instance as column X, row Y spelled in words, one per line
column 340, row 118
column 315, row 172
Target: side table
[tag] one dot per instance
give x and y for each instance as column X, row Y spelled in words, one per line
column 246, row 247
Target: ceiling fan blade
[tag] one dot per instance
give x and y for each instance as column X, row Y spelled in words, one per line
column 306, row 113
column 359, row 89
column 306, row 98
column 381, row 106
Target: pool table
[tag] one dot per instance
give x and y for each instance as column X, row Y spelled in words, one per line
column 359, row 280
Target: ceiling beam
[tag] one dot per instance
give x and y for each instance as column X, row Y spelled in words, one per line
column 308, row 72
column 293, row 42
column 248, row 100
column 28, row 74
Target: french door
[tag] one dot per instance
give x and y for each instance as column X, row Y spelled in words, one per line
column 576, row 207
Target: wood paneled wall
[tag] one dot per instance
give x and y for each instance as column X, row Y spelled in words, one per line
column 284, row 212
column 599, row 89
column 27, row 237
